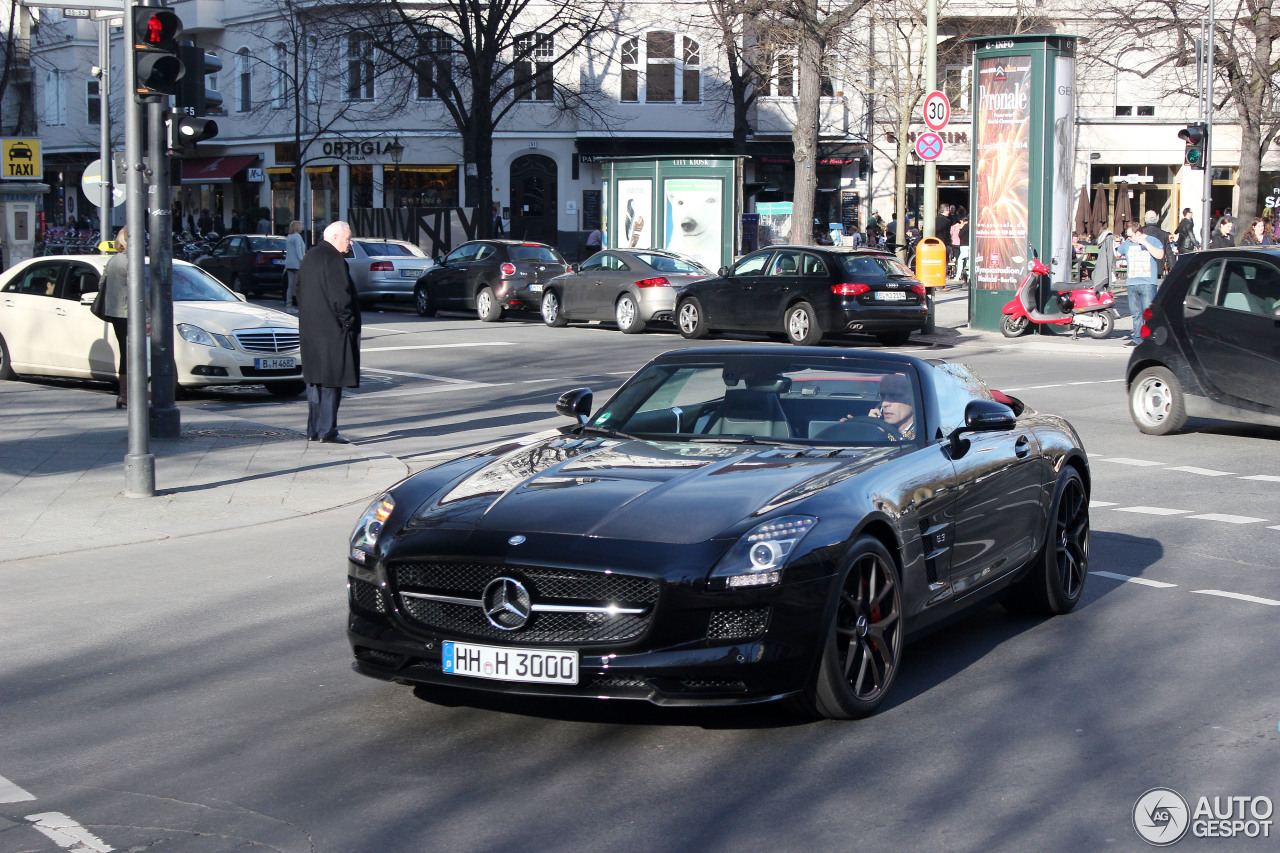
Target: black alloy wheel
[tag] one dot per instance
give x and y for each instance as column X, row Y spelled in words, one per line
column 1055, row 582
column 863, row 647
column 690, row 320
column 422, row 301
column 551, row 313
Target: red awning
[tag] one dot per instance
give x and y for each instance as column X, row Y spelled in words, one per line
column 214, row 170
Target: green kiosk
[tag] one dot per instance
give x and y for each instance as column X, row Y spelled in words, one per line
column 1024, row 132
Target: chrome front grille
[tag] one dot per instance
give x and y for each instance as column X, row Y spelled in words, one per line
column 446, row 597
column 267, row 340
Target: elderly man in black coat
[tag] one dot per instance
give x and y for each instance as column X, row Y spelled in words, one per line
column 329, row 323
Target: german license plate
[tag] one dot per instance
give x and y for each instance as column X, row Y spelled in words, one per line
column 891, row 296
column 414, row 273
column 278, row 261
column 534, row 666
column 536, row 288
column 275, row 363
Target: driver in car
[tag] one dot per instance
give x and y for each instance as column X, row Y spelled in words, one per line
column 895, row 406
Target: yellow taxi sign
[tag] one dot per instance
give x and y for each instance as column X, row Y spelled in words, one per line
column 20, row 160
column 107, row 247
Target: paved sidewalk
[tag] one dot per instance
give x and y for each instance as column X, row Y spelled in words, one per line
column 952, row 323
column 62, row 479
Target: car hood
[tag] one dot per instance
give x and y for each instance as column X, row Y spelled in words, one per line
column 671, row 492
column 228, row 316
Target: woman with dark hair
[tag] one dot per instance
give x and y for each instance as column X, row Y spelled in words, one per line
column 1221, row 237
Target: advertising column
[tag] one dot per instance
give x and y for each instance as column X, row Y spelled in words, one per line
column 1023, row 108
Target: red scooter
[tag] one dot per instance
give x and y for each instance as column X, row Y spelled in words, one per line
column 1085, row 308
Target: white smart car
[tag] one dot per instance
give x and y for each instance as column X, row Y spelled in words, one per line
column 47, row 329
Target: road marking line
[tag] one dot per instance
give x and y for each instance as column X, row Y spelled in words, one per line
column 11, row 793
column 1266, row 478
column 1142, row 463
column 1152, row 510
column 1229, row 519
column 364, row 328
column 1238, row 596
column 1204, row 472
column 1132, row 579
column 1274, row 527
column 68, row 834
column 427, row 376
column 431, row 389
column 1099, row 504
column 440, row 346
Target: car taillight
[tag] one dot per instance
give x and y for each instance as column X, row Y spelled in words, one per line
column 1147, row 314
column 381, row 266
column 918, row 289
column 653, row 282
column 850, row 289
column 508, row 268
column 261, row 260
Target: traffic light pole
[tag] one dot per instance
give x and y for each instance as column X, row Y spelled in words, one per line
column 139, row 462
column 166, row 420
column 104, row 137
column 1207, row 211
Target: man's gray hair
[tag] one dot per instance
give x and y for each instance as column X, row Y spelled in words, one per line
column 1152, row 217
column 334, row 228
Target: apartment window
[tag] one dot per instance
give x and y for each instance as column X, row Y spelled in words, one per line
column 279, row 75
column 1134, row 93
column 313, row 85
column 435, row 65
column 668, row 77
column 55, row 98
column 93, row 101
column 359, row 68
column 660, row 68
column 692, row 77
column 630, row 71
column 244, row 80
column 782, row 82
column 955, row 84
column 533, row 68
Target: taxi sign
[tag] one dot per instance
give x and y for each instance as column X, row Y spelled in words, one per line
column 20, row 160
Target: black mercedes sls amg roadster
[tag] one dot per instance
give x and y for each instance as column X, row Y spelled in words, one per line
column 735, row 525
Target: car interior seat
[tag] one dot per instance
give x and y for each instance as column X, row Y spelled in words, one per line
column 787, row 265
column 747, row 411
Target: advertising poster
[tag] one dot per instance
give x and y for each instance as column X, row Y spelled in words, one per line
column 693, row 216
column 1003, row 158
column 635, row 215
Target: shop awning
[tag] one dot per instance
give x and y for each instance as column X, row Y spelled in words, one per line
column 214, row 170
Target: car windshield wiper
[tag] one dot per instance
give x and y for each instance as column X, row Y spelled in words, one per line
column 742, row 438
column 611, row 433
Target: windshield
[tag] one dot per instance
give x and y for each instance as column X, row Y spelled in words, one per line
column 192, row 284
column 838, row 401
column 534, row 253
column 874, row 265
column 390, row 250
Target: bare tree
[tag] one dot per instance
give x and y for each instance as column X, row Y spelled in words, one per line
column 482, row 60
column 737, row 27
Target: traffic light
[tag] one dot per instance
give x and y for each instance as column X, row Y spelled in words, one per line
column 185, row 131
column 194, row 98
column 157, row 68
column 1197, row 138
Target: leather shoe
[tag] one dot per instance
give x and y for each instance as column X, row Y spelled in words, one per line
column 312, row 438
column 337, row 439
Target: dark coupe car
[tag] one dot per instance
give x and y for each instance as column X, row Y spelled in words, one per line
column 632, row 287
column 1210, row 343
column 247, row 263
column 806, row 292
column 735, row 525
column 489, row 277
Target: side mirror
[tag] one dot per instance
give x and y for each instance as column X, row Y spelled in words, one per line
column 437, row 260
column 240, row 296
column 723, row 272
column 575, row 267
column 981, row 416
column 575, row 404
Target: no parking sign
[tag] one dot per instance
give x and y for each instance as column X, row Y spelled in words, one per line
column 928, row 145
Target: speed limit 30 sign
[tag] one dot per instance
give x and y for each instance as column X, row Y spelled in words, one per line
column 937, row 110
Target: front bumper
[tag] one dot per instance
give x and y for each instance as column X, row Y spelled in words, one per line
column 199, row 366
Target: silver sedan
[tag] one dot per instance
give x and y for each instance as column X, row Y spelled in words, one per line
column 385, row 269
column 632, row 287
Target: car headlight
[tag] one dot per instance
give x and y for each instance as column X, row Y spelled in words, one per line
column 757, row 558
column 196, row 335
column 365, row 536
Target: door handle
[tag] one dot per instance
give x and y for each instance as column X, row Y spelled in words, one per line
column 60, row 311
column 1022, row 447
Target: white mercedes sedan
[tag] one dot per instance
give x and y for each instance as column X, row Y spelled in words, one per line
column 47, row 329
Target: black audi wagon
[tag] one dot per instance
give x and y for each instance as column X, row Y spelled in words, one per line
column 805, row 292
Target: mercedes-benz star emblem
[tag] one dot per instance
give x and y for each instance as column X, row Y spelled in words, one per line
column 506, row 604
column 515, row 540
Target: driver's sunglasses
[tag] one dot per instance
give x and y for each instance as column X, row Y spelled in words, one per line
column 894, row 398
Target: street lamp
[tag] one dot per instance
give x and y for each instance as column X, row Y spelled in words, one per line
column 396, row 150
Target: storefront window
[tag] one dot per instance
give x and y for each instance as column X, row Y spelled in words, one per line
column 324, row 196
column 423, row 186
column 283, row 195
column 361, row 189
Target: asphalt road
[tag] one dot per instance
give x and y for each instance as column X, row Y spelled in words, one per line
column 196, row 694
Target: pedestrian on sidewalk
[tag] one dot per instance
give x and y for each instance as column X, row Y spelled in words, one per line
column 1187, row 241
column 115, row 309
column 1143, row 254
column 1221, row 237
column 329, row 325
column 1257, row 234
column 294, row 249
column 1152, row 229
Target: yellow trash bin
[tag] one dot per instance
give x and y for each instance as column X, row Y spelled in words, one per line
column 931, row 262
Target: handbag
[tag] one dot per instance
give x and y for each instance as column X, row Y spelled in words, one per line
column 98, row 302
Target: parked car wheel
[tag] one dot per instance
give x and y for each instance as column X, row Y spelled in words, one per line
column 6, row 366
column 627, row 313
column 801, row 324
column 422, row 301
column 487, row 307
column 863, row 648
column 551, row 313
column 690, row 320
column 893, row 339
column 1156, row 402
column 1013, row 327
column 290, row 388
column 1056, row 580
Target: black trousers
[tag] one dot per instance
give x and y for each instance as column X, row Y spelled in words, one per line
column 322, row 411
column 120, row 325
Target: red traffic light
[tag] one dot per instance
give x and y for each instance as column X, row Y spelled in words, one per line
column 155, row 29
column 1192, row 135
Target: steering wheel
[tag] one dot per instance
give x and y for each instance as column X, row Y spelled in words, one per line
column 854, row 426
